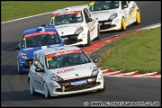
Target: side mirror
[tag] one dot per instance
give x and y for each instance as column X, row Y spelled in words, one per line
column 66, row 41
column 89, row 20
column 17, row 47
column 95, row 60
column 43, row 25
column 39, row 70
column 35, row 63
column 125, row 6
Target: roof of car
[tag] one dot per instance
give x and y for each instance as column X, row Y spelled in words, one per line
column 71, row 8
column 38, row 29
column 58, row 49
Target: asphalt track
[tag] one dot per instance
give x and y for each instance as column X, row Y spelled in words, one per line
column 14, row 87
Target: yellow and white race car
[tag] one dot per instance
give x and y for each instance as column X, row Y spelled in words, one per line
column 115, row 15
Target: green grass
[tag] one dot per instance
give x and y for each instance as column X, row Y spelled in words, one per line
column 17, row 9
column 141, row 52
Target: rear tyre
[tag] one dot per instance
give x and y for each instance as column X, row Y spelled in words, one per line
column 138, row 18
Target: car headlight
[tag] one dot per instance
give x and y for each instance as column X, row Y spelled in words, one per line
column 113, row 16
column 95, row 72
column 79, row 30
column 24, row 56
column 56, row 78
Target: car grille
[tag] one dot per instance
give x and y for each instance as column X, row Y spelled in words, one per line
column 78, row 87
column 72, row 38
column 69, row 87
column 106, row 26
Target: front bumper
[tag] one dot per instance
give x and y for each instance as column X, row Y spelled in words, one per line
column 25, row 65
column 109, row 25
column 75, row 39
column 66, row 87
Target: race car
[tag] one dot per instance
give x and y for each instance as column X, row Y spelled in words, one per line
column 115, row 15
column 63, row 71
column 33, row 40
column 75, row 25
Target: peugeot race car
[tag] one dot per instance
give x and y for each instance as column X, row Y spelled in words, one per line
column 75, row 25
column 115, row 15
column 62, row 71
column 35, row 39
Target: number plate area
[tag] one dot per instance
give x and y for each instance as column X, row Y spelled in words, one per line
column 79, row 82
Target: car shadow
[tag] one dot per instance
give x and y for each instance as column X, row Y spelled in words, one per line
column 11, row 70
column 8, row 46
column 25, row 95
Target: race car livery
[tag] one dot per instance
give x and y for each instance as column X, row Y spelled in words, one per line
column 115, row 15
column 62, row 71
column 75, row 25
column 33, row 40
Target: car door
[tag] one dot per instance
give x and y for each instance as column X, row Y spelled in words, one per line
column 131, row 12
column 125, row 11
column 38, row 77
column 90, row 24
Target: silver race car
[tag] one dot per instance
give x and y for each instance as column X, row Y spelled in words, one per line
column 62, row 71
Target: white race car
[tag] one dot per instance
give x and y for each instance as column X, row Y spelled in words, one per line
column 62, row 71
column 76, row 25
column 115, row 15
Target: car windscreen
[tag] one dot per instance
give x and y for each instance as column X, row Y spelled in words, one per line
column 66, row 59
column 40, row 40
column 66, row 18
column 103, row 5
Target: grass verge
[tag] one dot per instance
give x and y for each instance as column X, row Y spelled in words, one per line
column 141, row 52
column 17, row 9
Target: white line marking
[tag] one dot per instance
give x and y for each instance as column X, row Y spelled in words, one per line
column 26, row 17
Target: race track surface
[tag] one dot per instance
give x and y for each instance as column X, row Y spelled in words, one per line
column 15, row 90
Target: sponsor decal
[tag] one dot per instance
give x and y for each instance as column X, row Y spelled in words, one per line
column 49, row 59
column 92, row 3
column 36, row 34
column 65, row 71
column 62, row 53
column 53, row 17
column 66, row 12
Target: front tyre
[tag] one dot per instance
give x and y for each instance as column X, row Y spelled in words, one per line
column 98, row 34
column 31, row 88
column 123, row 24
column 46, row 91
column 18, row 67
column 88, row 40
column 101, row 90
